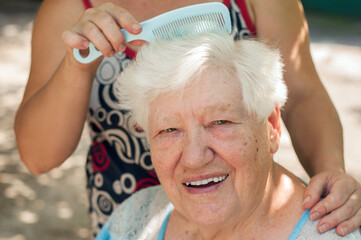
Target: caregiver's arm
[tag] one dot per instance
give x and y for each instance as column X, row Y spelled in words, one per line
column 51, row 117
column 310, row 116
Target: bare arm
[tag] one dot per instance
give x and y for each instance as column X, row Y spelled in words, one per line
column 310, row 116
column 51, row 117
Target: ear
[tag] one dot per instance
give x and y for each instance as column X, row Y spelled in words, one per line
column 274, row 124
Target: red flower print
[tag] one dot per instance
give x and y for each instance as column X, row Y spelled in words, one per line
column 100, row 158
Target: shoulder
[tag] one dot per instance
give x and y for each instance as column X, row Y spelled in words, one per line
column 70, row 10
column 309, row 231
column 56, row 16
column 140, row 216
column 52, row 19
column 277, row 18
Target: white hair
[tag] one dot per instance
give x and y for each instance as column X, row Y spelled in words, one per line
column 166, row 66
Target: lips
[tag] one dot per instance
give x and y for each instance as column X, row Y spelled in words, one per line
column 205, row 182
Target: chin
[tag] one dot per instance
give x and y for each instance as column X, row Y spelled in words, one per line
column 209, row 216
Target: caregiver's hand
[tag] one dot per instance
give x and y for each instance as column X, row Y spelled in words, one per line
column 101, row 26
column 342, row 201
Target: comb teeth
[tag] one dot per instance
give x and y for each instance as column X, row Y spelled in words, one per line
column 191, row 26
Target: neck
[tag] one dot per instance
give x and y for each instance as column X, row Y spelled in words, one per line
column 275, row 214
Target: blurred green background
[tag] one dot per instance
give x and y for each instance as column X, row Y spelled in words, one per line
column 349, row 8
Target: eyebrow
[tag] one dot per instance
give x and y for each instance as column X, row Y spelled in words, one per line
column 227, row 108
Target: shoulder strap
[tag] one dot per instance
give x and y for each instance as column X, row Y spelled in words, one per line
column 243, row 7
column 227, row 3
column 87, row 4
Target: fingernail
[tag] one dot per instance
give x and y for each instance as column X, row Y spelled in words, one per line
column 323, row 228
column 343, row 231
column 85, row 44
column 111, row 54
column 307, row 199
column 314, row 215
column 136, row 26
column 122, row 48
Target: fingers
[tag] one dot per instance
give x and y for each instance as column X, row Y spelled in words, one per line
column 123, row 18
column 105, row 32
column 349, row 225
column 101, row 26
column 347, row 218
column 347, row 210
column 314, row 191
column 99, row 35
column 342, row 202
column 73, row 40
column 339, row 195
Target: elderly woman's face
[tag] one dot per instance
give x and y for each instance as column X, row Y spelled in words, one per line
column 211, row 157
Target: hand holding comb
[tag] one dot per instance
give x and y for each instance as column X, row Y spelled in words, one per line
column 186, row 21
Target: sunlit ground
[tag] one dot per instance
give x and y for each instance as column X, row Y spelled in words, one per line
column 54, row 205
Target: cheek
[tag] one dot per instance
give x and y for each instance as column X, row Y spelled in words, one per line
column 256, row 168
column 250, row 169
column 164, row 161
column 234, row 146
column 165, row 164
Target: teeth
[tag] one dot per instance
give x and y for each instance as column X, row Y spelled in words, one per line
column 206, row 181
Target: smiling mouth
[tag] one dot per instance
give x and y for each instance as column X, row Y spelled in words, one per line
column 206, row 182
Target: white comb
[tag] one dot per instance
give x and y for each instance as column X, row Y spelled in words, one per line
column 187, row 21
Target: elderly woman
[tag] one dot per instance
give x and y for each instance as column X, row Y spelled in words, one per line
column 211, row 110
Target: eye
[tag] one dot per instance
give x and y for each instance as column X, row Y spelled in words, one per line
column 168, row 130
column 220, row 122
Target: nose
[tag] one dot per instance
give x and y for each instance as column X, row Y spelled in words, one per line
column 196, row 151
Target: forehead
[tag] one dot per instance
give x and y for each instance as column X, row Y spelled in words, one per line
column 212, row 91
column 214, row 87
